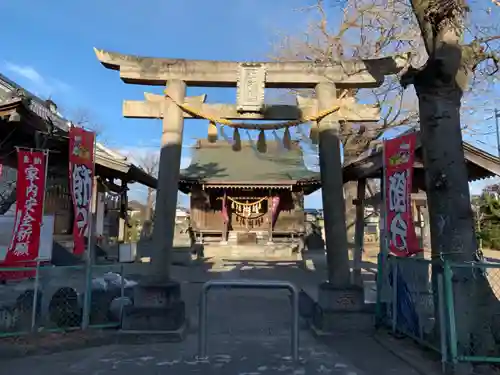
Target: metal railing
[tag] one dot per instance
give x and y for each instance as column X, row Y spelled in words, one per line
column 472, row 295
column 410, row 303
column 248, row 284
column 450, row 307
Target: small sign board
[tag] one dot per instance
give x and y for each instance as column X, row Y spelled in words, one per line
column 250, row 87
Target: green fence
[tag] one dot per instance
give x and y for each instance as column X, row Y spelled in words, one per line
column 409, row 301
column 451, row 308
column 62, row 293
column 472, row 293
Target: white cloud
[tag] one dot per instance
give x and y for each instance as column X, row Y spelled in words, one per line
column 32, row 80
column 27, row 72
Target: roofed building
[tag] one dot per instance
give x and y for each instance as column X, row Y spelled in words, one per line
column 30, row 122
column 369, row 165
column 245, row 195
column 480, row 164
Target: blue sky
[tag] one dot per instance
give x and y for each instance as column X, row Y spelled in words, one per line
column 47, row 47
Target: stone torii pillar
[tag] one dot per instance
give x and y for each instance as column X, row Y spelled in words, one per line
column 168, row 179
column 330, row 162
column 337, row 252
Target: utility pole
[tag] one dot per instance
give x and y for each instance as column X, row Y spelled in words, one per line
column 497, row 116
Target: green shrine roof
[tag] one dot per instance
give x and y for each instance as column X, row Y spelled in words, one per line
column 219, row 164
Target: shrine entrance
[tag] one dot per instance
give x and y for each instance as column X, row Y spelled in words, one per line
column 331, row 106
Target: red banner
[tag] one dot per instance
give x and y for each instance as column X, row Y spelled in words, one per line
column 30, row 191
column 81, row 173
column 399, row 157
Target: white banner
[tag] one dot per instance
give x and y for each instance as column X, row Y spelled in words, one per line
column 46, row 236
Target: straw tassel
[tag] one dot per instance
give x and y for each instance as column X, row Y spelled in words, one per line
column 261, row 142
column 212, row 132
column 225, row 136
column 236, row 140
column 314, row 133
column 287, row 139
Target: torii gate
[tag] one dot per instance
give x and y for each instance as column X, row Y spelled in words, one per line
column 251, row 79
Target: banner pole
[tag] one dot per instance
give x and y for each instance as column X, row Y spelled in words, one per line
column 385, row 245
column 90, row 245
column 35, row 295
column 37, row 269
column 46, row 153
column 382, row 256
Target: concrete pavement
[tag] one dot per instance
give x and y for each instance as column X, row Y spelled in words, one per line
column 248, row 334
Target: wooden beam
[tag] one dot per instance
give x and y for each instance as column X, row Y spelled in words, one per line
column 153, row 108
column 295, row 74
column 190, row 100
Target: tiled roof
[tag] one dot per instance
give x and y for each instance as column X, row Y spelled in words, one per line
column 480, row 163
column 8, row 88
column 11, row 92
column 219, row 163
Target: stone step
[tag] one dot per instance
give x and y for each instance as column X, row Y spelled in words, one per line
column 249, row 251
column 328, row 313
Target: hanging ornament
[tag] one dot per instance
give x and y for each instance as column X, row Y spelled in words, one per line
column 212, row 132
column 314, row 133
column 287, row 139
column 236, row 140
column 225, row 136
column 261, row 142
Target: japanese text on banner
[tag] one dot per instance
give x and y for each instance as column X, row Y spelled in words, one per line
column 81, row 173
column 399, row 156
column 30, row 187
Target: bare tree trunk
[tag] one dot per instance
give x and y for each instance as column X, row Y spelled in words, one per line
column 452, row 224
column 450, row 212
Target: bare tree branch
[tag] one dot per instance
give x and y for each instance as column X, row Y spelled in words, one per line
column 150, row 163
column 373, row 28
column 84, row 118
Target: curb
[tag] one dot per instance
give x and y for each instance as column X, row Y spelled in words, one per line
column 32, row 345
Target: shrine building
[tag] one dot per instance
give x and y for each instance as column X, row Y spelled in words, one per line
column 247, row 196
